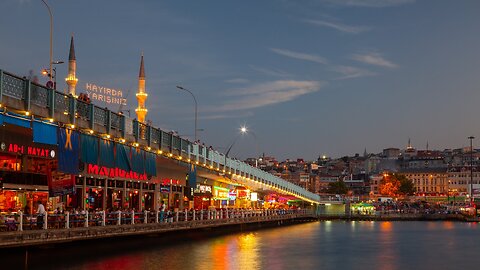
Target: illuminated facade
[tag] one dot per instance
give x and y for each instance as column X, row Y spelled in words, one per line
column 141, row 110
column 72, row 68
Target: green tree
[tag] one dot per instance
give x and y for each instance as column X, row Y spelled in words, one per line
column 406, row 185
column 338, row 187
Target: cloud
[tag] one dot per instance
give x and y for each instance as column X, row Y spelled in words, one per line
column 369, row 3
column 237, row 80
column 301, row 56
column 264, row 94
column 271, row 72
column 350, row 72
column 227, row 116
column 374, row 58
column 340, row 27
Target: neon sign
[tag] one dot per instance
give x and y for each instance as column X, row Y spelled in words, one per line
column 27, row 150
column 114, row 172
column 105, row 94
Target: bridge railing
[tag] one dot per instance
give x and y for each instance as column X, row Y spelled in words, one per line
column 21, row 222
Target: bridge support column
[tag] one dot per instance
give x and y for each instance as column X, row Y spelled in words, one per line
column 20, row 221
column 221, row 213
column 176, row 216
column 104, row 216
column 208, row 215
column 145, row 216
column 86, row 220
column 67, row 220
column 186, row 215
column 119, row 221
column 133, row 217
column 156, row 216
column 193, row 218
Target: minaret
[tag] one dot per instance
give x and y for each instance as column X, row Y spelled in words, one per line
column 141, row 110
column 72, row 67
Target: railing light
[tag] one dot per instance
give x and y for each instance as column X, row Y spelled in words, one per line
column 27, row 113
column 91, row 131
column 72, row 126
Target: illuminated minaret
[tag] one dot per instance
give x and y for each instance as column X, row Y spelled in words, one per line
column 72, row 67
column 141, row 110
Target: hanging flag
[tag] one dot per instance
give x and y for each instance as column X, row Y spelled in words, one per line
column 68, row 151
column 192, row 176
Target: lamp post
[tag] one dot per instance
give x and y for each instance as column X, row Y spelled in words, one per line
column 471, row 168
column 51, row 40
column 53, row 74
column 196, row 107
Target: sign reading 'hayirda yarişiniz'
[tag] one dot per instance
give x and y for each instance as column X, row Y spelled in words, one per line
column 105, row 94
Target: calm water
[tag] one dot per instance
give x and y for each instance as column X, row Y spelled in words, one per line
column 318, row 245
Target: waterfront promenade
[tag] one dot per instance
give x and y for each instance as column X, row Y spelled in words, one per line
column 67, row 228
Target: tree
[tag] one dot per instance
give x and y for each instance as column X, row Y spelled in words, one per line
column 394, row 184
column 406, row 185
column 338, row 187
column 389, row 185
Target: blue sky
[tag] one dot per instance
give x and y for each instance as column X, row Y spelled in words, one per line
column 306, row 77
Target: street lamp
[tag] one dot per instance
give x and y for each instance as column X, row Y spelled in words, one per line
column 244, row 130
column 51, row 39
column 471, row 168
column 52, row 75
column 196, row 108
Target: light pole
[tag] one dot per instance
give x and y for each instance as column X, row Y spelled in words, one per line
column 51, row 38
column 53, row 75
column 196, row 108
column 471, row 168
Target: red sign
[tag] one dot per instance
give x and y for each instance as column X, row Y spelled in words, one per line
column 29, row 150
column 114, row 172
column 169, row 181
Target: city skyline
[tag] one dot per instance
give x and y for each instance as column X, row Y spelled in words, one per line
column 329, row 77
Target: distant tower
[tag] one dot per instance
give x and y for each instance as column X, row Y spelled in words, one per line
column 409, row 145
column 141, row 110
column 72, row 67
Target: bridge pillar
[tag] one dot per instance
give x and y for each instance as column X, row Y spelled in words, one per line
column 176, row 216
column 67, row 220
column 86, row 220
column 20, row 221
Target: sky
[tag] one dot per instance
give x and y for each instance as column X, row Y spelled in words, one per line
column 307, row 78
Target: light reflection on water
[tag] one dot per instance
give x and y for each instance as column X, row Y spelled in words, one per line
column 316, row 245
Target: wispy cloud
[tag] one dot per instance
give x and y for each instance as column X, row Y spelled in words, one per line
column 237, row 80
column 301, row 56
column 369, row 3
column 264, row 94
column 374, row 58
column 227, row 116
column 349, row 72
column 340, row 27
column 271, row 72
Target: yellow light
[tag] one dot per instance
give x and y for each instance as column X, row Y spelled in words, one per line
column 65, row 112
column 122, row 140
column 135, row 144
column 27, row 113
column 180, row 158
column 160, row 151
column 51, row 120
column 72, row 126
column 188, row 160
column 170, row 155
column 196, row 162
column 91, row 131
column 108, row 136
column 211, row 167
column 149, row 148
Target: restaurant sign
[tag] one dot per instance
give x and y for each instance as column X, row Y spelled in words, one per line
column 114, row 172
column 29, row 150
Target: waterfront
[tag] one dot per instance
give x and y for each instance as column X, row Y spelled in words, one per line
column 316, row 245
